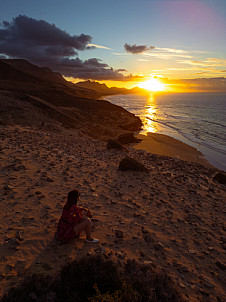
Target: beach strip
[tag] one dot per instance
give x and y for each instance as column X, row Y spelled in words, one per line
column 166, row 145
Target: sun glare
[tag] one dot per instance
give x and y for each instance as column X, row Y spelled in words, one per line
column 152, row 84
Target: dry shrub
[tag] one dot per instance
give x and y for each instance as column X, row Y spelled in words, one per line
column 97, row 280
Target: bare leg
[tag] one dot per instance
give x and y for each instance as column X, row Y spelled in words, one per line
column 86, row 225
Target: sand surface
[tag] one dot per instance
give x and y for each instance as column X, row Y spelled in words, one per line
column 172, row 217
column 165, row 145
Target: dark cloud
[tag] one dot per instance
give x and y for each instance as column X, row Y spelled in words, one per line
column 45, row 44
column 136, row 49
column 121, row 70
column 32, row 39
column 90, row 69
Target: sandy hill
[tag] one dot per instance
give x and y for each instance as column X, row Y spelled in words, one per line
column 31, row 95
column 172, row 217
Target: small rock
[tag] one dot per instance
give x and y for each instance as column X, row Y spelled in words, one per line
column 184, row 269
column 46, row 266
column 159, row 246
column 19, row 235
column 121, row 256
column 191, row 252
column 142, row 254
column 8, row 268
column 182, row 285
column 221, row 265
column 209, row 285
column 49, row 179
column 204, row 293
column 147, row 237
column 135, row 238
column 38, row 193
column 119, row 234
column 13, row 243
column 8, row 188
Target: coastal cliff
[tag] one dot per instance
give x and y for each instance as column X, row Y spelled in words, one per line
column 35, row 96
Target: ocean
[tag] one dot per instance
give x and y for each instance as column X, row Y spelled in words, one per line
column 197, row 119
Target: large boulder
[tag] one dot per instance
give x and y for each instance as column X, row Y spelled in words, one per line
column 130, row 164
column 220, row 177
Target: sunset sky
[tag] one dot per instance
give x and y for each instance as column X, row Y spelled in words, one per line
column 121, row 42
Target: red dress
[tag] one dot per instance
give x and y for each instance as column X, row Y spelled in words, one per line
column 69, row 218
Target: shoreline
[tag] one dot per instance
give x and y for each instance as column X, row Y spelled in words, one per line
column 162, row 144
column 212, row 153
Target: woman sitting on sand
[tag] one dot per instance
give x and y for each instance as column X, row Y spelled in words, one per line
column 74, row 219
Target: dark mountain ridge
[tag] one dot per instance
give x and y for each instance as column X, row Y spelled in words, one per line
column 103, row 89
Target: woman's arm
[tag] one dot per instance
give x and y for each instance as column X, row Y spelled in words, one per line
column 85, row 212
column 74, row 215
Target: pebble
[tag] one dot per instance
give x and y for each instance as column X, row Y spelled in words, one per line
column 209, row 285
column 13, row 243
column 147, row 237
column 119, row 234
column 49, row 179
column 19, row 235
column 221, row 265
column 142, row 254
column 159, row 246
column 191, row 252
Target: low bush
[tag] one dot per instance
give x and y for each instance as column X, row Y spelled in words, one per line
column 97, row 280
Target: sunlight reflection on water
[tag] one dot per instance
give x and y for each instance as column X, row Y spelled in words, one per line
column 150, row 115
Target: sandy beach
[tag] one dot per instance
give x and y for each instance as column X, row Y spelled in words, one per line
column 165, row 145
column 172, row 217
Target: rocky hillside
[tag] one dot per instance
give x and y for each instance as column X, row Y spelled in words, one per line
column 34, row 96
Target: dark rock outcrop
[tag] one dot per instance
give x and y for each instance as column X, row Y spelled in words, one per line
column 114, row 144
column 128, row 138
column 132, row 126
column 220, row 177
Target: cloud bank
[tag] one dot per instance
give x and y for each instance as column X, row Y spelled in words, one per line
column 45, row 44
column 137, row 49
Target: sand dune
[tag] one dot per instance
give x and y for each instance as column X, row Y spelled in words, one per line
column 172, row 216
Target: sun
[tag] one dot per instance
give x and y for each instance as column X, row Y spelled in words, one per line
column 152, row 84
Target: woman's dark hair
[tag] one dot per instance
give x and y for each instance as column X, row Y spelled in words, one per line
column 72, row 199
